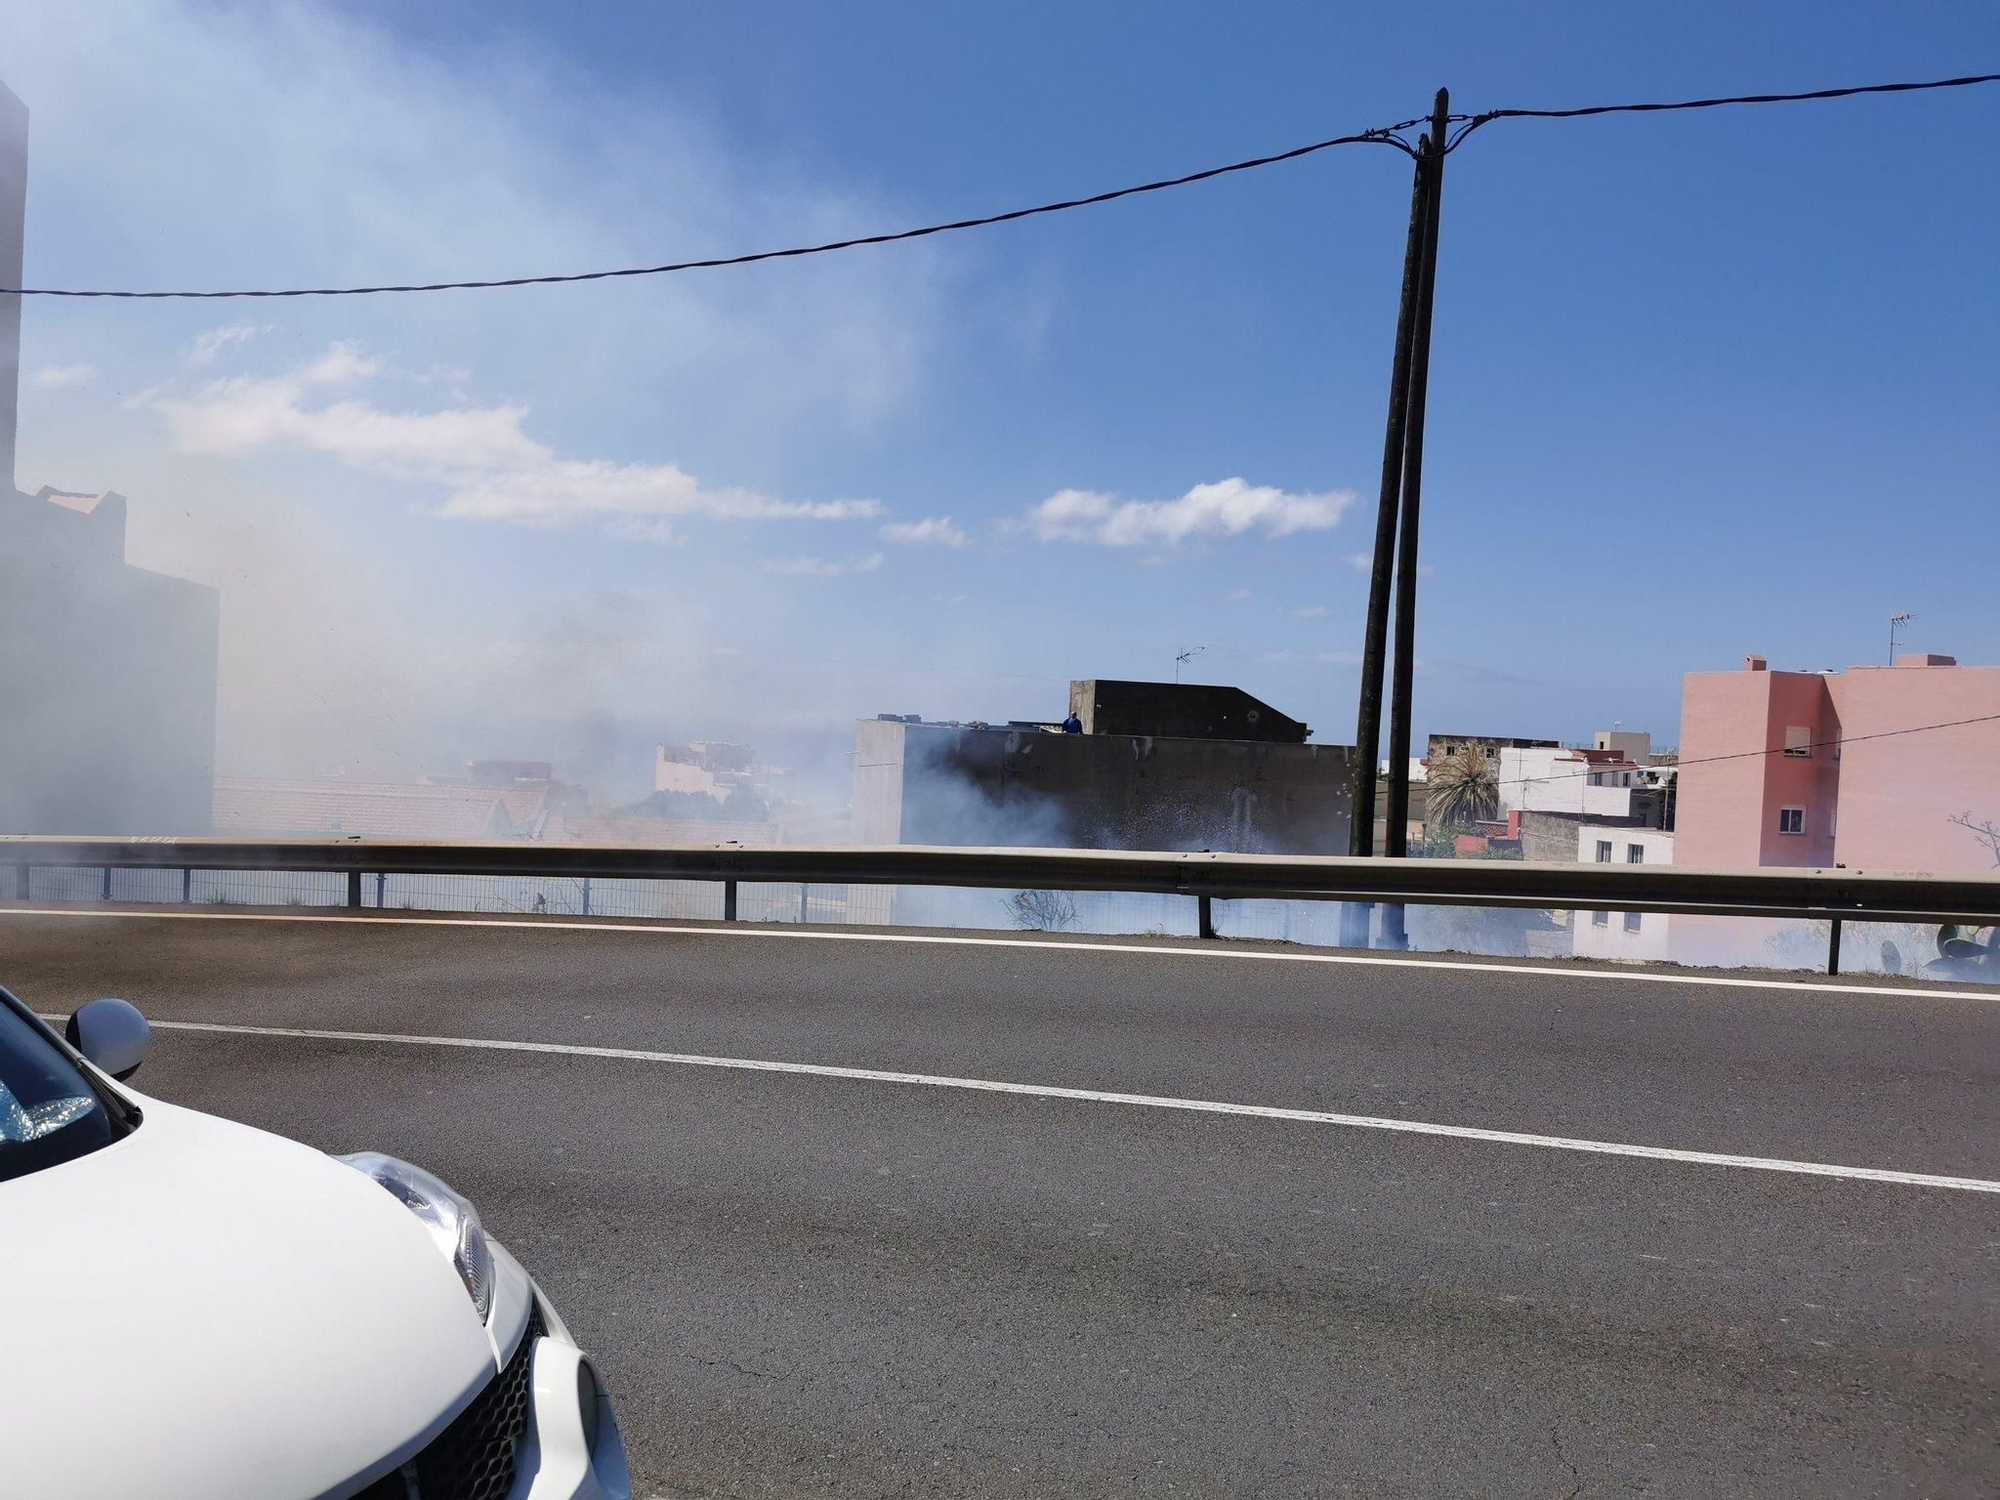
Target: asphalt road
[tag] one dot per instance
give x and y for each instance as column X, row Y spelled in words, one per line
column 811, row 1285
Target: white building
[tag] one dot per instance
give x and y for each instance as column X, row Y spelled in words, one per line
column 1621, row 934
column 1593, row 783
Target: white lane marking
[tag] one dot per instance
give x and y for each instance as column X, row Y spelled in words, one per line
column 1099, row 1096
column 666, row 927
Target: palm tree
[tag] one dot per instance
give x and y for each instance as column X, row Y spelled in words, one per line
column 1461, row 791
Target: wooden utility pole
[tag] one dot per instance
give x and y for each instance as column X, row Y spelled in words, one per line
column 1396, row 522
column 1395, row 840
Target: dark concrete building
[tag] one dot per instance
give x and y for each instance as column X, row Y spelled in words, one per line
column 1142, row 787
column 107, row 671
column 1192, row 711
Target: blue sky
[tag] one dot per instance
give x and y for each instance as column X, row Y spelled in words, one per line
column 1702, row 384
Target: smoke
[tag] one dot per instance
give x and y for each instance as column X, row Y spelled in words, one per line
column 1029, row 788
column 405, row 506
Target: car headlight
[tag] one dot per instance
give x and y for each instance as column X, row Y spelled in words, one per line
column 452, row 1221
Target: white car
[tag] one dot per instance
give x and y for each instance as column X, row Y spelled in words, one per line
column 197, row 1309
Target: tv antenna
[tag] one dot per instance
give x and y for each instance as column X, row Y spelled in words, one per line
column 1182, row 658
column 1896, row 623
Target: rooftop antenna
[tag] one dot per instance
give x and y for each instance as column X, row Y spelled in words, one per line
column 1896, row 623
column 1181, row 658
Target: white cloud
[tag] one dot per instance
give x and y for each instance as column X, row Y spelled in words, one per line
column 821, row 567
column 489, row 466
column 650, row 529
column 61, row 375
column 1236, row 596
column 1307, row 612
column 560, row 492
column 207, row 346
column 933, row 531
column 1229, row 507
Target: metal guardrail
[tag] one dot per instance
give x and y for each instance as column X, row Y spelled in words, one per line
column 1821, row 895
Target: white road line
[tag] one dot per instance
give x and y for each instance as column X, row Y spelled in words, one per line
column 1099, row 1096
column 665, row 928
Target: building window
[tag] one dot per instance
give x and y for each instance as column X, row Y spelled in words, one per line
column 1600, row 919
column 1791, row 820
column 1491, row 753
column 1604, row 851
column 1632, row 921
column 1798, row 741
column 1635, row 854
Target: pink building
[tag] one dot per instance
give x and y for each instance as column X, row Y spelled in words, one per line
column 1818, row 768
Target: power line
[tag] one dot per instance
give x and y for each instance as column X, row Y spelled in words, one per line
column 1473, row 122
column 1708, row 760
column 1384, row 135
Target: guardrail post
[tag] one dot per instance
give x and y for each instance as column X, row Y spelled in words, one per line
column 187, row 884
column 729, row 901
column 1833, row 948
column 353, row 887
column 381, row 886
column 1204, row 908
column 106, row 896
column 805, row 899
column 586, row 895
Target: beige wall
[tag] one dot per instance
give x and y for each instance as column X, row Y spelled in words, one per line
column 1897, row 792
column 1882, row 798
column 1734, row 778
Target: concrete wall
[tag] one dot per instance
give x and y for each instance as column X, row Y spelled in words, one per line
column 1897, row 791
column 1550, row 837
column 934, row 784
column 107, row 679
column 678, row 776
column 1622, row 935
column 1443, row 746
column 877, row 816
column 1179, row 710
column 1882, row 799
column 1735, row 778
column 1543, row 780
column 1635, row 745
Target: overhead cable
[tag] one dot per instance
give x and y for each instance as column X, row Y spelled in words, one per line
column 1385, row 135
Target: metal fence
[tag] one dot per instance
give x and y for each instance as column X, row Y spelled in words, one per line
column 1290, row 898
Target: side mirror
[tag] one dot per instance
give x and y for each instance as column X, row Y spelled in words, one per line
column 112, row 1034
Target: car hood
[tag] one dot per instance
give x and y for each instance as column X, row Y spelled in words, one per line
column 203, row 1309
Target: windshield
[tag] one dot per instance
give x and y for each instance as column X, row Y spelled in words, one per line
column 50, row 1112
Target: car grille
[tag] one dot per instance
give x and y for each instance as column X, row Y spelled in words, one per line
column 477, row 1456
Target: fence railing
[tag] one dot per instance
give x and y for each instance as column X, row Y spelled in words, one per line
column 1832, row 896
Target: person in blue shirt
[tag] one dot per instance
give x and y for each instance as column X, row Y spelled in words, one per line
column 1072, row 725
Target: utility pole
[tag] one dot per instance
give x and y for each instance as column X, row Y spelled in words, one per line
column 1395, row 841
column 1420, row 247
